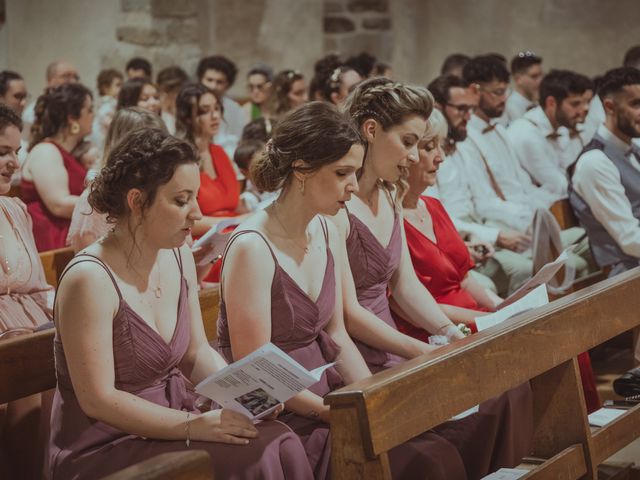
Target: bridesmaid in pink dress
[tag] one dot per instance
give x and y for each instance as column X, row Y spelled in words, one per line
column 393, row 119
column 130, row 339
column 52, row 178
column 301, row 263
column 25, row 304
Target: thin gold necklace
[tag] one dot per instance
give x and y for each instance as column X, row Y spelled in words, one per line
column 275, row 212
column 6, row 266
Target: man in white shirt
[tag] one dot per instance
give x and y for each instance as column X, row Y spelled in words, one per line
column 505, row 192
column 508, row 269
column 218, row 73
column 545, row 139
column 605, row 186
column 526, row 69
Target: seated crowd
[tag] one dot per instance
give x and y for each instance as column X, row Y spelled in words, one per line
column 374, row 221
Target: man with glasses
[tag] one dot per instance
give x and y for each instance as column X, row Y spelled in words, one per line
column 526, row 70
column 546, row 139
column 259, row 81
column 507, row 268
column 503, row 190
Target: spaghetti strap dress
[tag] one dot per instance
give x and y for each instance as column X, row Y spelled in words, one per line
column 297, row 327
column 147, row 366
column 496, row 436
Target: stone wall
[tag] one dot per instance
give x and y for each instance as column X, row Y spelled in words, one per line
column 413, row 35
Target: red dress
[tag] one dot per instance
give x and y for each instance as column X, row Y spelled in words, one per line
column 218, row 197
column 442, row 266
column 49, row 231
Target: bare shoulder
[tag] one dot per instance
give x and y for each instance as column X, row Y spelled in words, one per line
column 44, row 151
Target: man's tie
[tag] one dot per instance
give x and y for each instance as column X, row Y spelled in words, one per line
column 489, row 127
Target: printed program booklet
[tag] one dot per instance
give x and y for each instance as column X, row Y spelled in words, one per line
column 216, row 237
column 545, row 274
column 258, row 383
column 535, row 298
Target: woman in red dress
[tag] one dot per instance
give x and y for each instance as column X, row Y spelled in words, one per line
column 198, row 117
column 440, row 257
column 52, row 178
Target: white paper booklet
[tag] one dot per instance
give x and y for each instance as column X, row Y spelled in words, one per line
column 507, row 474
column 216, row 238
column 259, row 382
column 545, row 274
column 535, row 298
column 601, row 417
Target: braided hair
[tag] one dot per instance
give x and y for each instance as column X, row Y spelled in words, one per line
column 145, row 159
column 389, row 103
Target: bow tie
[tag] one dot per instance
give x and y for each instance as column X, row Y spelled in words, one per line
column 489, row 127
column 554, row 136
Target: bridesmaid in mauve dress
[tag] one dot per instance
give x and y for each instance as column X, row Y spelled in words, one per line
column 300, row 285
column 393, row 118
column 124, row 358
column 52, row 178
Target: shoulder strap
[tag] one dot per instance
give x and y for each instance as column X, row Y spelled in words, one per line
column 178, row 257
column 325, row 231
column 93, row 259
column 231, row 240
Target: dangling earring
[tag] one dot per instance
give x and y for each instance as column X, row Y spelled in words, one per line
column 302, row 185
column 74, row 128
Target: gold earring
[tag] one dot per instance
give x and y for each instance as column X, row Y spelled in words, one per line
column 302, row 185
column 74, row 128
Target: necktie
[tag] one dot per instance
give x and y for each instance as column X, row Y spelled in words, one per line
column 488, row 128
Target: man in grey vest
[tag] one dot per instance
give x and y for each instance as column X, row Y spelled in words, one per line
column 605, row 185
column 605, row 182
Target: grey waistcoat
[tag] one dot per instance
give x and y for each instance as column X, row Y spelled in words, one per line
column 605, row 249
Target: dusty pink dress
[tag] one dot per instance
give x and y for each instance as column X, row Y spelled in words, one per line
column 297, row 327
column 146, row 366
column 25, row 297
column 500, row 434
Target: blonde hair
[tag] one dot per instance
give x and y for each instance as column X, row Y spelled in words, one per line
column 127, row 119
column 437, row 126
column 389, row 103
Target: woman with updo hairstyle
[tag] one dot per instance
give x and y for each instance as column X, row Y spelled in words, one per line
column 129, row 334
column 139, row 92
column 199, row 113
column 282, row 267
column 392, row 117
column 52, row 178
column 288, row 91
column 86, row 224
column 333, row 79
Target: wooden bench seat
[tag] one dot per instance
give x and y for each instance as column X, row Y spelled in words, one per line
column 54, row 262
column 540, row 346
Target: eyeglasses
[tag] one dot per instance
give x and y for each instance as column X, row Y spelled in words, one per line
column 462, row 108
column 256, row 86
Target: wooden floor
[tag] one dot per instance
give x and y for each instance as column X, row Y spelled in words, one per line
column 609, row 362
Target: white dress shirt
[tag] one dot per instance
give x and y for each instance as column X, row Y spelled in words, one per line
column 516, row 106
column 594, row 119
column 545, row 153
column 454, row 193
column 521, row 196
column 597, row 180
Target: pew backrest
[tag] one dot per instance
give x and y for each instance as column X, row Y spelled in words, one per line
column 371, row 416
column 54, row 262
column 209, row 307
column 187, row 465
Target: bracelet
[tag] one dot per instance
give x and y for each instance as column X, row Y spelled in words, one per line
column 186, row 429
